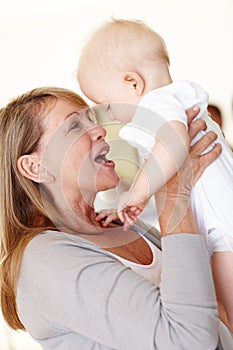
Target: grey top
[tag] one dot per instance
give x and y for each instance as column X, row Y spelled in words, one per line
column 73, row 295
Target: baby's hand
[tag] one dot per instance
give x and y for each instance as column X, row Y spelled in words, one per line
column 129, row 216
column 129, row 207
column 108, row 214
column 111, row 214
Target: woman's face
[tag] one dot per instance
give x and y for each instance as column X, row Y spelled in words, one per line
column 73, row 153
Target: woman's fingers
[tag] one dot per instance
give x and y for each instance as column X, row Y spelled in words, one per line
column 199, row 160
column 192, row 113
column 195, row 127
column 202, row 145
column 201, row 155
column 209, row 157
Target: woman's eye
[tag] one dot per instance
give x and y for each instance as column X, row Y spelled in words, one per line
column 75, row 125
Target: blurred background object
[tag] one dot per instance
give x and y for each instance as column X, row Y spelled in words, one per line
column 216, row 114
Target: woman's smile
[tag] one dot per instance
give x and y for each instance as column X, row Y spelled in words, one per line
column 100, row 157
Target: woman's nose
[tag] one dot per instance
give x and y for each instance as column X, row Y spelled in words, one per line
column 97, row 132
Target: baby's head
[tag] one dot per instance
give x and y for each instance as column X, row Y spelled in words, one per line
column 121, row 61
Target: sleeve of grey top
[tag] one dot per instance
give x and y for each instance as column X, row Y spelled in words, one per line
column 68, row 288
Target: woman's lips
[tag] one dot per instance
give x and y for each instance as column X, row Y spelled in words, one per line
column 100, row 158
column 110, row 163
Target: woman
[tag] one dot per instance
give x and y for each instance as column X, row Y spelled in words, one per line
column 66, row 279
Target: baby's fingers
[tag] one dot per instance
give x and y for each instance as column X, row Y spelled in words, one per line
column 109, row 219
column 125, row 219
column 121, row 216
column 106, row 213
column 130, row 219
column 135, row 211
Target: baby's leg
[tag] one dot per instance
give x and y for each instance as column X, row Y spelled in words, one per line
column 222, row 267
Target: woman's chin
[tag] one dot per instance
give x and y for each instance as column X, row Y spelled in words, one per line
column 107, row 182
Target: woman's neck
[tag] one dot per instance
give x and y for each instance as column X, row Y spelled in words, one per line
column 78, row 216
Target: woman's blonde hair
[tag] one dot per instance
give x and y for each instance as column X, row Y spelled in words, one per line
column 22, row 213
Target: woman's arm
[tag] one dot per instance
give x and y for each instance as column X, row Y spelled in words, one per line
column 79, row 291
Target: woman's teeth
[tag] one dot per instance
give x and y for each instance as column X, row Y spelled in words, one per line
column 101, row 158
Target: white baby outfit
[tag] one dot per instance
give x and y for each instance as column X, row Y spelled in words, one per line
column 212, row 196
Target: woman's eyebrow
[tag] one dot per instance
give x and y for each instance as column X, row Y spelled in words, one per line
column 70, row 114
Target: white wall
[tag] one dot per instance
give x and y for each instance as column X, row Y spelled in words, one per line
column 40, row 43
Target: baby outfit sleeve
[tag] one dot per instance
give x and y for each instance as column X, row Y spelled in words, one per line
column 220, row 241
column 83, row 291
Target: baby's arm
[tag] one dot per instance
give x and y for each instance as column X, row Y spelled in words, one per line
column 168, row 154
column 222, row 266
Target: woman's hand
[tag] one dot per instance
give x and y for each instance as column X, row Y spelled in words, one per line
column 196, row 162
column 173, row 199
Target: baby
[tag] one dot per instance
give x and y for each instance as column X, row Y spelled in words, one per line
column 125, row 65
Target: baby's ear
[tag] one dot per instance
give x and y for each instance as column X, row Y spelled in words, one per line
column 30, row 167
column 135, row 81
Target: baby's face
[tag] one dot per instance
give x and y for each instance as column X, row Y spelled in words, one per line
column 119, row 98
column 121, row 111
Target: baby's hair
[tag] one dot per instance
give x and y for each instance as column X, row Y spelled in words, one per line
column 122, row 42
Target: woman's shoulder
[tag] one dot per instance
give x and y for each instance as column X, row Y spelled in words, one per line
column 51, row 240
column 52, row 248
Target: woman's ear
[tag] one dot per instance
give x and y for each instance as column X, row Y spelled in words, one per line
column 30, row 167
column 135, row 81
